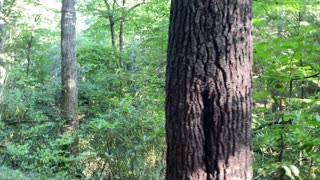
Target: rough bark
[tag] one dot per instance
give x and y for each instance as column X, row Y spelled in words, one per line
column 69, row 93
column 208, row 90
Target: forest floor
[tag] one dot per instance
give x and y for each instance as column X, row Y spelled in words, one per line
column 11, row 174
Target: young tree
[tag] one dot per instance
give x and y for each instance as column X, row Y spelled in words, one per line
column 208, row 90
column 69, row 93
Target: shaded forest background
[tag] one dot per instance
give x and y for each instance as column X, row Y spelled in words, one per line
column 121, row 53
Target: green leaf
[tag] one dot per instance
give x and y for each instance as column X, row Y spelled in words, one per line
column 290, row 116
column 294, row 170
column 100, row 124
column 288, row 171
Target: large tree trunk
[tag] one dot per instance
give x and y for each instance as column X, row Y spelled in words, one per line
column 208, row 90
column 69, row 93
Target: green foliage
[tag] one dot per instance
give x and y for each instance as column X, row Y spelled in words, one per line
column 123, row 107
column 287, row 87
column 10, row 174
column 129, row 142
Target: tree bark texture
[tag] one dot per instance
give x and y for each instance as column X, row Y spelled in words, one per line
column 208, row 90
column 69, row 94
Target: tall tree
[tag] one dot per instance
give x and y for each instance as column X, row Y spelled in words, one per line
column 69, row 93
column 112, row 8
column 3, row 71
column 208, row 90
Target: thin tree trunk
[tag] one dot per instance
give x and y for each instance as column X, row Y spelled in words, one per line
column 121, row 33
column 208, row 90
column 29, row 46
column 111, row 21
column 122, row 24
column 112, row 31
column 3, row 70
